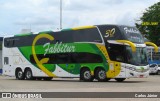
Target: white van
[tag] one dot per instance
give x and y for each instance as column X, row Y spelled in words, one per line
column 153, row 69
column 158, row 72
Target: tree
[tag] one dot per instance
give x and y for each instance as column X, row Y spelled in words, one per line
column 149, row 24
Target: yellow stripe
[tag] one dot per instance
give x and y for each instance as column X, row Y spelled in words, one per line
column 133, row 47
column 116, row 65
column 44, row 60
column 152, row 44
column 92, row 73
column 83, row 27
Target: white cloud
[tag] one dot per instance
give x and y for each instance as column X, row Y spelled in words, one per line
column 44, row 14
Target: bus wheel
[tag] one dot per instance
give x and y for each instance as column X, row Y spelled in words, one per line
column 100, row 75
column 47, row 78
column 19, row 74
column 120, row 79
column 158, row 72
column 28, row 74
column 85, row 75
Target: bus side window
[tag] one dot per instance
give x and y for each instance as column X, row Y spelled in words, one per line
column 6, row 60
column 7, row 43
column 57, row 41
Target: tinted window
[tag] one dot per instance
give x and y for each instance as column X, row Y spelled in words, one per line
column 67, row 58
column 117, row 52
column 83, row 35
column 6, row 60
column 88, row 35
column 153, row 65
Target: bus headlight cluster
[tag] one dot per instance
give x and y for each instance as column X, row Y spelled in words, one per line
column 142, row 70
column 138, row 70
column 132, row 68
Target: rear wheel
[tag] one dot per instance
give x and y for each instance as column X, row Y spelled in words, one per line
column 19, row 74
column 120, row 79
column 28, row 74
column 100, row 75
column 85, row 75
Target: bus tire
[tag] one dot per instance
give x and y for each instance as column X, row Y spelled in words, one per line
column 47, row 78
column 19, row 74
column 85, row 75
column 120, row 79
column 28, row 74
column 100, row 75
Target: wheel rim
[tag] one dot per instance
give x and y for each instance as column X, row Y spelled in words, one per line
column 102, row 74
column 28, row 74
column 87, row 75
column 20, row 74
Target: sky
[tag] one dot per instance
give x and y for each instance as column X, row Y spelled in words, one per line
column 43, row 15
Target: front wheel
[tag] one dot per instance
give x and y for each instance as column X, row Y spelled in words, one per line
column 28, row 74
column 120, row 79
column 85, row 75
column 100, row 75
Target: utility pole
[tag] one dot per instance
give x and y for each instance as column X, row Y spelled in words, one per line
column 60, row 14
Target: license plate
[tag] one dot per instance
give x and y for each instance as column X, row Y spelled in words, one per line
column 141, row 76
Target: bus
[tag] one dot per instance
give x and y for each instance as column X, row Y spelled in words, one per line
column 100, row 52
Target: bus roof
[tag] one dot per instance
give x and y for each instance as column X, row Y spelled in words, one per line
column 68, row 29
column 78, row 28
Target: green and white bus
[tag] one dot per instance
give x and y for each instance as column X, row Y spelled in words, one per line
column 101, row 52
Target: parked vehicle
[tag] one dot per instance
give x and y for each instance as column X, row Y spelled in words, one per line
column 153, row 69
column 158, row 72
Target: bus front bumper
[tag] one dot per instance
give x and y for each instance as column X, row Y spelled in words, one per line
column 139, row 74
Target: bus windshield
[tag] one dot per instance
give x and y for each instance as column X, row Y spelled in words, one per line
column 137, row 58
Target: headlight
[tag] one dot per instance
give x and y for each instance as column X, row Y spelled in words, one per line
column 132, row 68
column 142, row 69
column 138, row 70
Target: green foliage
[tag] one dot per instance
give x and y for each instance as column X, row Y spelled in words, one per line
column 150, row 23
